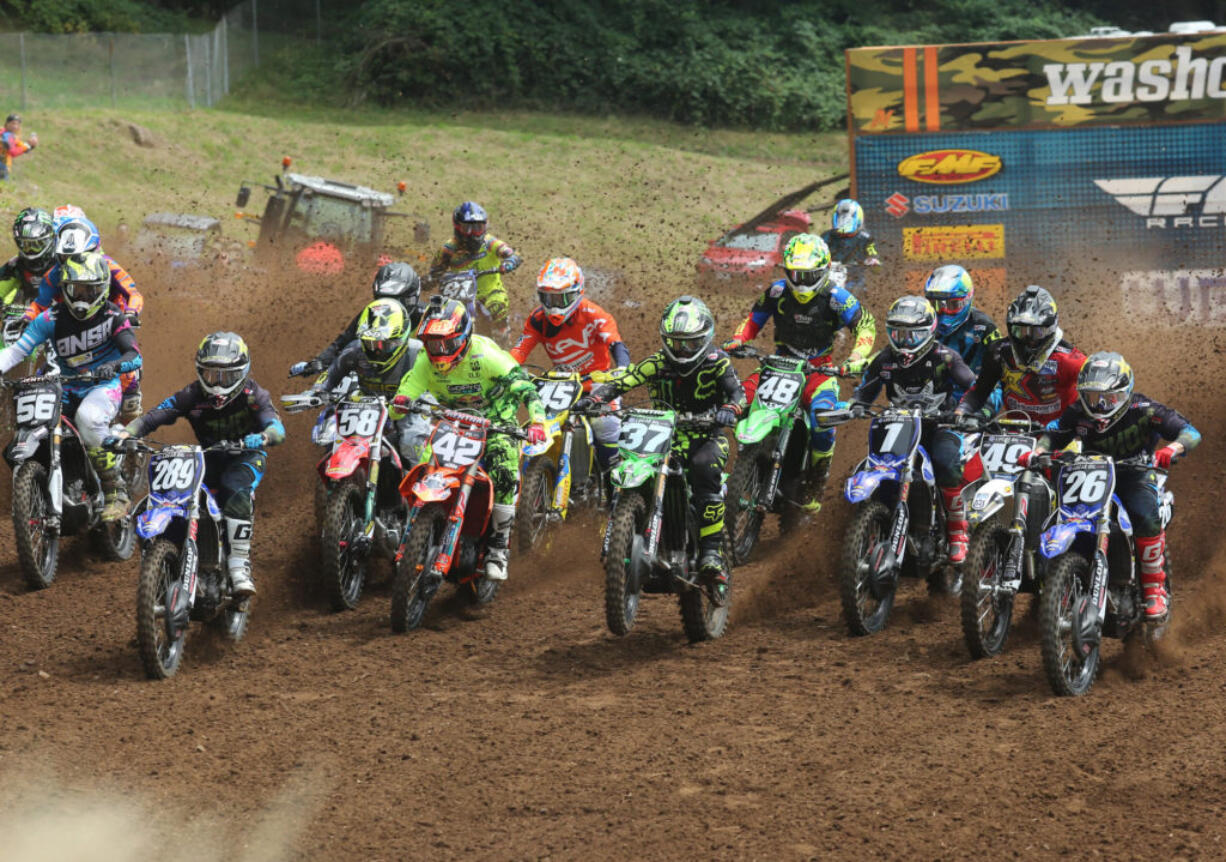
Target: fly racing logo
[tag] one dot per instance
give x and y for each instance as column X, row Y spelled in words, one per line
column 1192, row 201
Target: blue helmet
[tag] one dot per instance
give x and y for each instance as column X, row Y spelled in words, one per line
column 76, row 236
column 951, row 291
column 469, row 220
column 848, row 217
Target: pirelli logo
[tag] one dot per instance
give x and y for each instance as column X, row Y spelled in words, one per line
column 957, row 242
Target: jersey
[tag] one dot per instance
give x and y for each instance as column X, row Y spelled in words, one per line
column 80, row 345
column 856, row 248
column 929, row 382
column 250, row 411
column 19, row 282
column 487, row 380
column 371, row 380
column 489, row 255
column 13, row 146
column 123, row 291
column 712, row 383
column 1042, row 395
column 807, row 329
column 587, row 341
column 1137, row 431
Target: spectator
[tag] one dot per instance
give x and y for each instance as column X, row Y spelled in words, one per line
column 13, row 145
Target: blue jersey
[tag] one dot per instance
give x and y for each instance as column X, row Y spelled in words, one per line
column 969, row 341
column 83, row 345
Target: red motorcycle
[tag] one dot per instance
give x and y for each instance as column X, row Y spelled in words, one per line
column 450, row 499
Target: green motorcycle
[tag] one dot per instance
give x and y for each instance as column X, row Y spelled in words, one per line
column 651, row 540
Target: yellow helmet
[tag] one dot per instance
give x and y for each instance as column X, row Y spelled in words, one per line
column 383, row 330
column 806, row 263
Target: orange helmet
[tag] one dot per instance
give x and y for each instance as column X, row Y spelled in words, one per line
column 559, row 286
column 446, row 331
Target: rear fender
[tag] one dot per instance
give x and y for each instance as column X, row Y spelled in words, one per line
column 988, row 499
column 1057, row 539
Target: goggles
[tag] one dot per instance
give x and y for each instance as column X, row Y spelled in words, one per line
column 31, row 247
column 220, row 377
column 950, row 304
column 470, row 228
column 444, row 348
column 558, row 299
column 907, row 339
column 1103, row 403
column 380, row 349
column 685, row 347
column 806, row 277
column 83, row 291
column 1030, row 335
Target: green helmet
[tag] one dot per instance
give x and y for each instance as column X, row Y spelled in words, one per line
column 34, row 233
column 806, row 264
column 86, row 282
column 383, row 330
column 686, row 328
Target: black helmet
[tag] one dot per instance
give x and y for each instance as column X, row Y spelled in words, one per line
column 686, row 329
column 1104, row 387
column 1034, row 327
column 911, row 326
column 399, row 281
column 222, row 366
column 34, row 233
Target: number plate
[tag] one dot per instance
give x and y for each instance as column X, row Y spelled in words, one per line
column 459, row 286
column 1086, row 485
column 358, row 419
column 778, row 390
column 455, row 447
column 37, row 405
column 558, row 395
column 1001, row 451
column 645, row 436
column 174, row 476
column 894, row 438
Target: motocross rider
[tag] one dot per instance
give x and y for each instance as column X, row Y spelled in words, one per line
column 396, row 280
column 1037, row 372
column 90, row 336
column 76, row 234
column 961, row 325
column 690, row 375
column 473, row 248
column 225, row 403
column 34, row 234
column 467, row 371
column 847, row 239
column 1109, row 418
column 808, row 310
column 578, row 335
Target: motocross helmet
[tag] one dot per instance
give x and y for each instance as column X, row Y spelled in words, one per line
column 76, row 236
column 559, row 287
column 911, row 326
column 951, row 292
column 1104, row 387
column 64, row 213
column 34, row 233
column 86, row 283
column 446, row 331
column 222, row 366
column 686, row 329
column 848, row 217
column 401, row 282
column 469, row 221
column 806, row 265
column 383, row 330
column 1033, row 327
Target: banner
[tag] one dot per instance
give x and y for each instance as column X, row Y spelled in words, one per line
column 1061, row 83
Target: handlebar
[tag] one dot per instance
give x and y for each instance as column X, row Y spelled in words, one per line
column 130, row 445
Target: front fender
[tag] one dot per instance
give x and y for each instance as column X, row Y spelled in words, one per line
column 862, row 485
column 153, row 522
column 435, row 487
column 346, row 458
column 632, row 472
column 989, row 499
column 1056, row 540
column 755, row 427
column 553, row 430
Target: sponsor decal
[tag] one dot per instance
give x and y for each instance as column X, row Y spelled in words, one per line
column 949, row 167
column 899, row 204
column 1133, row 80
column 962, row 242
column 1195, row 296
column 1172, row 202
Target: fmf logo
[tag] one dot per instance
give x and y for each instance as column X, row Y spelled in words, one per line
column 899, row 204
column 949, row 167
column 1172, row 202
column 963, row 242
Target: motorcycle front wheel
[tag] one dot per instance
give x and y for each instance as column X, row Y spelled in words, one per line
column 409, row 600
column 344, row 566
column 38, row 548
column 535, row 503
column 702, row 618
column 986, row 611
column 1065, row 588
column 623, row 588
column 744, row 489
column 866, row 605
column 161, row 649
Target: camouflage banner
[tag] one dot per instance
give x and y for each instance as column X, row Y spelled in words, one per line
column 1057, row 83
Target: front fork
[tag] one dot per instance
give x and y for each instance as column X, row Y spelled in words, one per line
column 55, row 478
column 767, row 499
column 183, row 591
column 561, row 487
column 1011, row 578
column 455, row 522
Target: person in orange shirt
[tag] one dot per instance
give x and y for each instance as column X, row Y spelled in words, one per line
column 12, row 144
column 578, row 335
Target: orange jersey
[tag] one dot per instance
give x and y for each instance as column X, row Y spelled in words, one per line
column 583, row 341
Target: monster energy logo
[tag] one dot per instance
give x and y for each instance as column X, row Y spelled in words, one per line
column 1122, row 81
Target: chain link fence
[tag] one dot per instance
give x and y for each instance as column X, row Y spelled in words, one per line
column 149, row 70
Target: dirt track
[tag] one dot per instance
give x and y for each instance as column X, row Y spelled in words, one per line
column 530, row 732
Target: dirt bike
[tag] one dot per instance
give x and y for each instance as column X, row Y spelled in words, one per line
column 898, row 529
column 850, row 276
column 56, row 490
column 1002, row 558
column 323, row 432
column 651, row 540
column 450, row 499
column 561, row 470
column 773, row 450
column 363, row 512
column 184, row 574
column 461, row 285
column 1091, row 589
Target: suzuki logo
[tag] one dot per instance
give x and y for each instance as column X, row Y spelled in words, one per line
column 1156, row 198
column 897, row 204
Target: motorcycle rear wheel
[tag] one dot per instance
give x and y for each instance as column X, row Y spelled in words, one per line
column 864, row 613
column 986, row 616
column 343, row 569
column 38, row 550
column 160, row 651
column 422, row 546
column 1066, row 585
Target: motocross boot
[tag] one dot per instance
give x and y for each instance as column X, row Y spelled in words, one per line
column 957, row 530
column 710, row 550
column 111, row 480
column 1152, row 552
column 813, row 484
column 238, row 534
column 500, row 542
